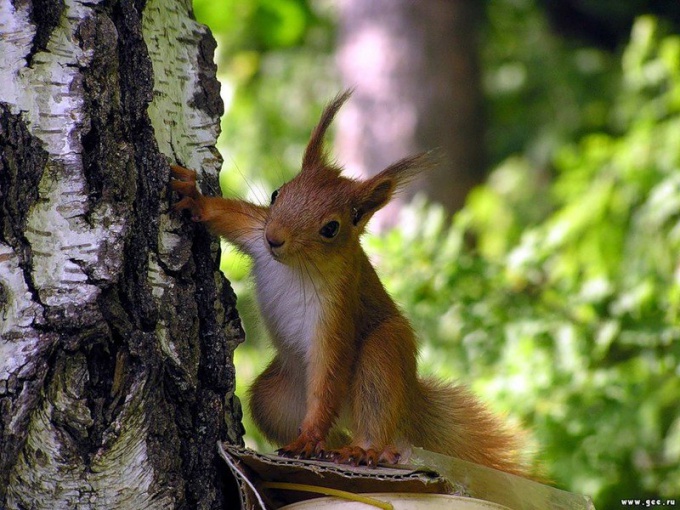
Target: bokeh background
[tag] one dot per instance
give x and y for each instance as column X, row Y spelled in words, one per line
column 540, row 263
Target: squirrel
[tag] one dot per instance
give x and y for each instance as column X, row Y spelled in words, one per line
column 345, row 354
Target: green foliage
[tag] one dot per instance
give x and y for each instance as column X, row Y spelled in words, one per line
column 257, row 25
column 541, row 90
column 572, row 320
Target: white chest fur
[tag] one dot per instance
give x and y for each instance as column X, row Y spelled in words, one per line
column 289, row 302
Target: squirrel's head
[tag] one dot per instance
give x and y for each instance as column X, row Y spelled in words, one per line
column 320, row 215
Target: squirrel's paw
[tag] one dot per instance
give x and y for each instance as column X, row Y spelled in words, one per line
column 182, row 174
column 357, row 456
column 306, row 446
column 184, row 183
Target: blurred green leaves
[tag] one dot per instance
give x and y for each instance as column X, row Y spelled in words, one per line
column 541, row 90
column 257, row 25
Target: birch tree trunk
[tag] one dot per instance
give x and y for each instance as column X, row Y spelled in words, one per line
column 117, row 329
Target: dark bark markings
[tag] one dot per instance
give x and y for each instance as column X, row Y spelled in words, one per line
column 22, row 163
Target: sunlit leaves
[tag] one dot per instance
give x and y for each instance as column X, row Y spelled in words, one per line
column 256, row 24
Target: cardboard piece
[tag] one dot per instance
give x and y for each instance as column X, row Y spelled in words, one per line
column 252, row 470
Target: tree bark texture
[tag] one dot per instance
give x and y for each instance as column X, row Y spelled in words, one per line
column 415, row 70
column 117, row 329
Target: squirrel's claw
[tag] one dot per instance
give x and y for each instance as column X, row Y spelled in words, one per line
column 305, row 446
column 189, row 204
column 182, row 174
column 390, row 455
column 185, row 188
column 357, row 456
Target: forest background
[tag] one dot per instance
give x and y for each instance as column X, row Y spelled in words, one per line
column 555, row 290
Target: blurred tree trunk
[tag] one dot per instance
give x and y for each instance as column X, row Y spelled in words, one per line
column 117, row 330
column 415, row 69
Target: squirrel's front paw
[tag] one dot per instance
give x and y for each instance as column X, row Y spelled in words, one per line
column 184, row 183
column 306, row 446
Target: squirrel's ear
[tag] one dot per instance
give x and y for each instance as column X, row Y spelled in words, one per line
column 377, row 191
column 315, row 156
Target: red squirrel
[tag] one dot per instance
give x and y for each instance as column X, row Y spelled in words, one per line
column 345, row 354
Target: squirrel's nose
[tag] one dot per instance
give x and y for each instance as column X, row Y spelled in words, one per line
column 275, row 242
column 275, row 235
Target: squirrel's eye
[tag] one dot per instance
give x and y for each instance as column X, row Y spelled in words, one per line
column 274, row 195
column 330, row 229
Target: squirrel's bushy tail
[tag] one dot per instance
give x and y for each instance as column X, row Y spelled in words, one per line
column 450, row 420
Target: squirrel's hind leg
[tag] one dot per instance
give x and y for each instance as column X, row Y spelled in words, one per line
column 277, row 402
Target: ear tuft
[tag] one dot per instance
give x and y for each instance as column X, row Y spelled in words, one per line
column 315, row 155
column 405, row 170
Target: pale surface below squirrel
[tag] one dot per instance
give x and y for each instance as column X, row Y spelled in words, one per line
column 343, row 385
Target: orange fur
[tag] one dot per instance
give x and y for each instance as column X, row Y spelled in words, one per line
column 346, row 355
